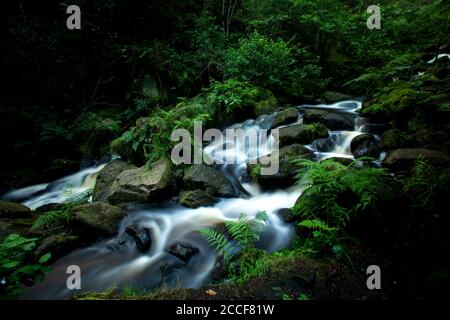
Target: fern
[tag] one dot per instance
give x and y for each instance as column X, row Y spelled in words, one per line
column 316, row 224
column 218, row 242
column 250, row 262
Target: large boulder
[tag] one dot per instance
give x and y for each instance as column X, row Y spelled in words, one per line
column 13, row 210
column 287, row 169
column 332, row 120
column 364, row 145
column 106, row 178
column 97, row 218
column 285, row 116
column 403, row 159
column 210, row 180
column 142, row 184
column 196, row 198
column 302, row 133
column 333, row 97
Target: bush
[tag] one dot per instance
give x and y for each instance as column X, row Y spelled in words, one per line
column 261, row 61
column 234, row 96
column 19, row 266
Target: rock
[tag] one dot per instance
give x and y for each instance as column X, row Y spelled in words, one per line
column 286, row 116
column 332, row 120
column 13, row 210
column 266, row 105
column 141, row 236
column 302, row 133
column 210, row 180
column 17, row 225
column 106, row 178
column 97, row 218
column 403, row 159
column 364, row 145
column 287, row 169
column 142, row 184
column 286, row 215
column 333, row 97
column 196, row 198
column 58, row 245
column 183, row 251
column 391, row 140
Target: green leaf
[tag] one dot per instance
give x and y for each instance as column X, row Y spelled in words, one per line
column 45, row 258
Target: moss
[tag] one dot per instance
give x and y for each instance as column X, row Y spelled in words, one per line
column 255, row 172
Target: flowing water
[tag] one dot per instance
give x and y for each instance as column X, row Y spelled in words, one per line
column 117, row 262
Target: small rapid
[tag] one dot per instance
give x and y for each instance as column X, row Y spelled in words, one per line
column 116, row 262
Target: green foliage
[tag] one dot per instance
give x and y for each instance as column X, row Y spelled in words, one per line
column 232, row 95
column 333, row 194
column 426, row 185
column 260, row 60
column 150, row 139
column 19, row 265
column 244, row 261
column 62, row 216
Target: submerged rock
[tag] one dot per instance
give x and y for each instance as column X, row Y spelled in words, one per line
column 365, row 145
column 183, row 251
column 287, row 169
column 285, row 116
column 141, row 236
column 13, row 210
column 97, row 218
column 106, row 178
column 332, row 120
column 302, row 133
column 195, row 198
column 403, row 159
column 210, row 180
column 142, row 184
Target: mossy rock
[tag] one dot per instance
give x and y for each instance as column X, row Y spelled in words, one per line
column 142, row 184
column 208, row 179
column 391, row 140
column 287, row 169
column 333, row 97
column 106, row 178
column 195, row 198
column 13, row 210
column 96, row 219
column 302, row 133
column 285, row 116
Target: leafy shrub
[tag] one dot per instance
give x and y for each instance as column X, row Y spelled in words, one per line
column 233, row 95
column 261, row 61
column 18, row 265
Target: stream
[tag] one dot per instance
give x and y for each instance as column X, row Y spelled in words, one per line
column 117, row 262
